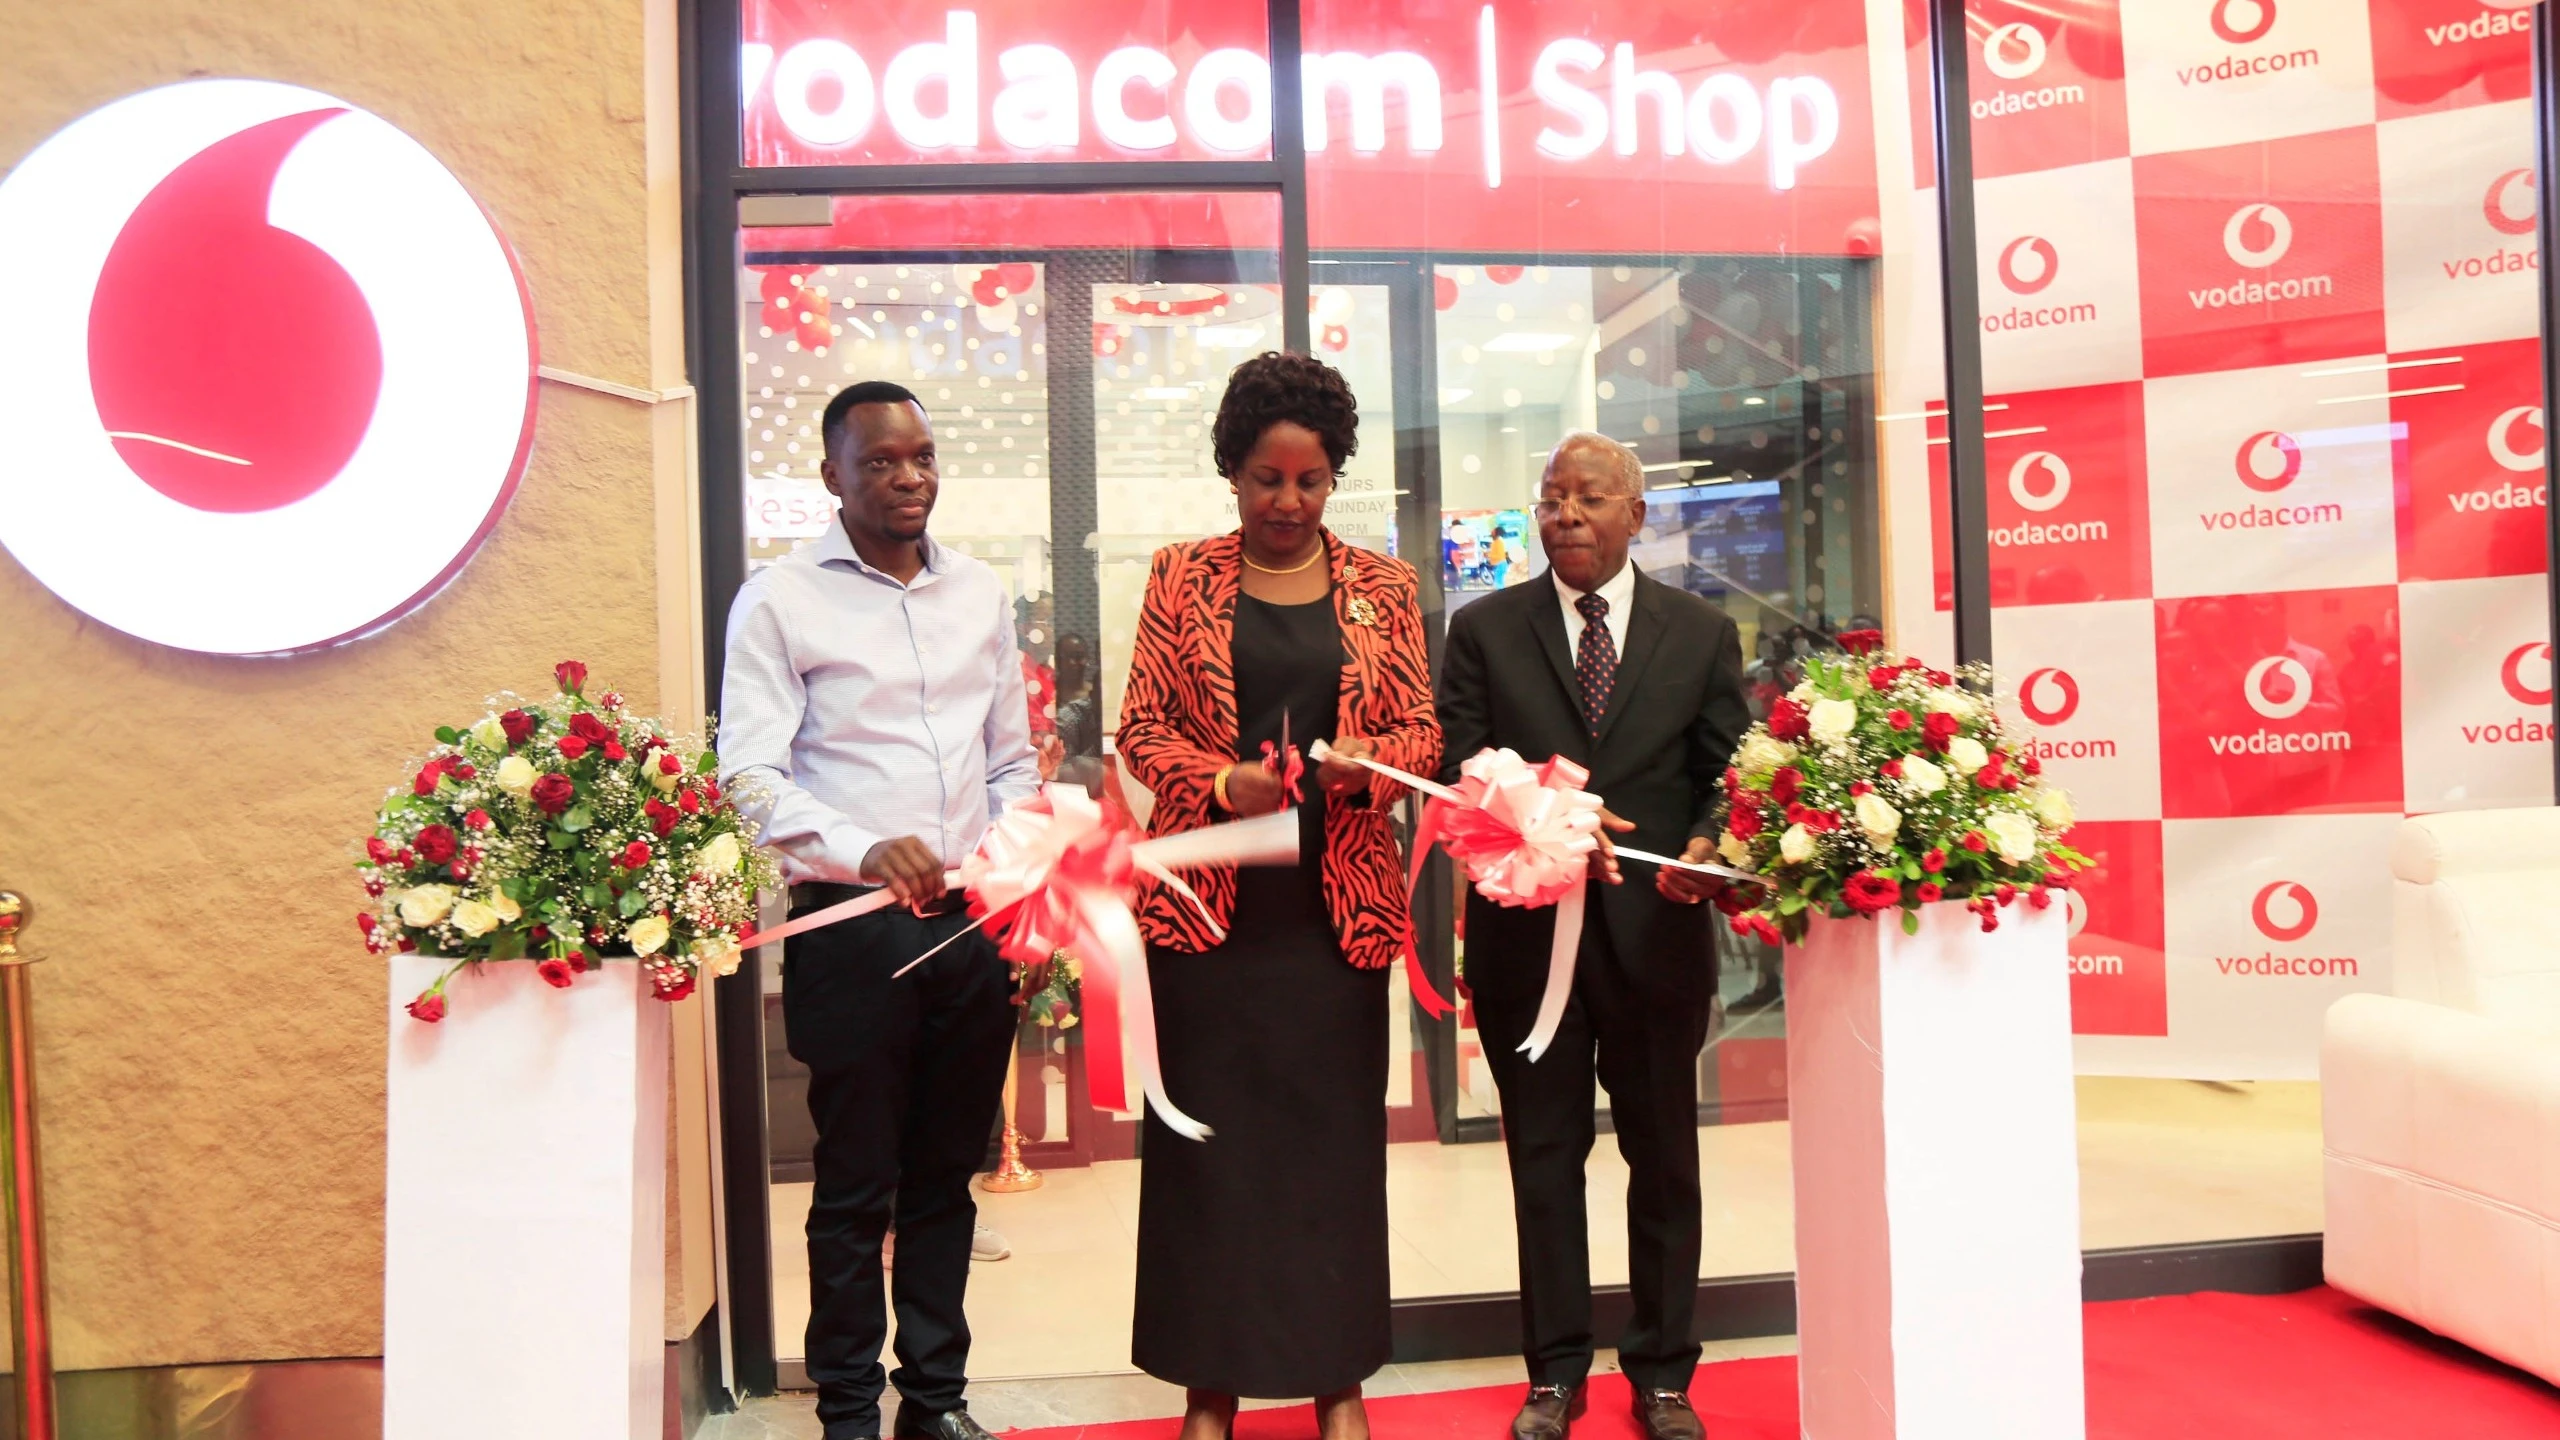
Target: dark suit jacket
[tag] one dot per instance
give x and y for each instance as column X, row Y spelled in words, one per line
column 1675, row 714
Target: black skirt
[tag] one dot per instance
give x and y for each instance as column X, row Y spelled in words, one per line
column 1262, row 1251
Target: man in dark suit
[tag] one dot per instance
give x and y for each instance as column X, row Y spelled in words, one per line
column 1642, row 685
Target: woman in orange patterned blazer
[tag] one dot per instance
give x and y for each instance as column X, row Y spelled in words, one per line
column 1262, row 1252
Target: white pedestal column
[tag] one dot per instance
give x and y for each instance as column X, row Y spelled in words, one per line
column 525, row 1269
column 1937, row 1186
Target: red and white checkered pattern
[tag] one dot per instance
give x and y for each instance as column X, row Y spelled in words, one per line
column 2265, row 478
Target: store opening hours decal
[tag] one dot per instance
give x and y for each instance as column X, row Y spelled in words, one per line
column 1607, row 122
column 300, row 374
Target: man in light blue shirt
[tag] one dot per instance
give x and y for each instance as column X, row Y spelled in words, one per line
column 874, row 721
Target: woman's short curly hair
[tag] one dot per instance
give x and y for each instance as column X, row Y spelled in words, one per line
column 1271, row 388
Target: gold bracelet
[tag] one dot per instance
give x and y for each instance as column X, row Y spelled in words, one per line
column 1218, row 788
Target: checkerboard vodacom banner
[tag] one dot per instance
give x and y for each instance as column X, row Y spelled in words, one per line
column 2265, row 480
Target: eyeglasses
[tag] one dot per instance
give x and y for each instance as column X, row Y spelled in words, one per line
column 1549, row 507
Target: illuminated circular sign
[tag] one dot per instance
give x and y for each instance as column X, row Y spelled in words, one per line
column 269, row 375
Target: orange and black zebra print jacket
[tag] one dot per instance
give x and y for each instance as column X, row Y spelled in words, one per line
column 1178, row 730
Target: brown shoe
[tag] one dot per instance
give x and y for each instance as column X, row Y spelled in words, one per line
column 1548, row 1413
column 1665, row 1415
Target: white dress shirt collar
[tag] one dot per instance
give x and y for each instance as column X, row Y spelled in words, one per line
column 837, row 545
column 1619, row 590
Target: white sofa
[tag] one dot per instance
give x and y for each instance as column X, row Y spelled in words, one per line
column 2440, row 1103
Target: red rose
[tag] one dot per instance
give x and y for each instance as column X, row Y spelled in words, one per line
column 581, row 962
column 1898, row 719
column 1868, row 892
column 1732, row 901
column 1990, row 921
column 1930, row 891
column 1975, row 841
column 587, row 727
column 572, row 675
column 1786, row 785
column 635, row 855
column 465, row 772
column 1934, row 860
column 428, row 1007
column 540, row 932
column 613, row 750
column 1938, row 729
column 365, row 922
column 1882, row 677
column 711, row 792
column 407, row 945
column 663, row 816
column 1861, row 642
column 572, row 748
column 518, row 725
column 1910, row 662
column 2006, row 893
column 437, row 843
column 1861, row 788
column 670, row 985
column 1743, row 822
column 553, row 793
column 427, row 778
column 556, row 972
column 612, row 700
column 2030, row 765
column 373, row 886
column 2040, row 897
column 1891, row 770
column 478, row 820
column 689, row 802
column 379, row 851
column 670, row 765
column 1789, row 720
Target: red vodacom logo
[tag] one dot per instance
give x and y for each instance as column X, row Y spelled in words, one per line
column 2047, row 264
column 2511, row 674
column 285, row 351
column 2501, row 205
column 2306, row 910
column 2066, row 692
column 2268, row 461
column 2262, row 15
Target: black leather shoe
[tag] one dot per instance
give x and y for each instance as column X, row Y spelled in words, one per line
column 1665, row 1415
column 917, row 1423
column 1548, row 1413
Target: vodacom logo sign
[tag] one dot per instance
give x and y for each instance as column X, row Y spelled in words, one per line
column 2297, row 898
column 2503, row 440
column 2268, row 461
column 2296, row 698
column 2257, row 235
column 2043, row 264
column 2243, row 21
column 2509, row 212
column 2022, row 475
column 2014, row 51
column 2075, row 910
column 2511, row 674
column 270, row 370
column 2052, row 708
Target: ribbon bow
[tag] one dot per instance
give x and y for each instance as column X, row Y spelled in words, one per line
column 1525, row 836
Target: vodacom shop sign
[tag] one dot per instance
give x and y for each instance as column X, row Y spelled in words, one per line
column 270, row 372
column 1610, row 129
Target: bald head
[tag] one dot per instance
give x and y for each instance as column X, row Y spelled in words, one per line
column 1590, row 505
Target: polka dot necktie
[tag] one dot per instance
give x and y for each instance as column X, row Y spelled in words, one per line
column 1596, row 665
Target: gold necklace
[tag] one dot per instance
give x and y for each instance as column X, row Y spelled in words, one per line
column 1291, row 570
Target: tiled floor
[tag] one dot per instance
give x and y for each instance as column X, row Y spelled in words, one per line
column 1098, row 1399
column 2161, row 1162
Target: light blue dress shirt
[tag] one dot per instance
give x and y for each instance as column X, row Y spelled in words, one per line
column 855, row 709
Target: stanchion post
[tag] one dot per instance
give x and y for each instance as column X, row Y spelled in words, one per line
column 30, row 1322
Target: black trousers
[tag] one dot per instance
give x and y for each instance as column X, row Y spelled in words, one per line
column 1643, row 1047
column 905, row 1079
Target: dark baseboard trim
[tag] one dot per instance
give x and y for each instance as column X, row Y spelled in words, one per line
column 694, row 1392
column 1472, row 1327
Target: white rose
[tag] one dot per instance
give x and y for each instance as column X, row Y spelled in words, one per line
column 2053, row 807
column 1796, row 846
column 473, row 918
column 1832, row 720
column 1734, row 850
column 1762, row 753
column 489, row 734
column 719, row 958
column 647, row 934
column 720, row 857
column 2013, row 835
column 1803, row 693
column 1949, row 701
column 664, row 781
column 1880, row 820
column 1966, row 755
column 424, row 905
column 508, row 910
column 516, row 776
column 1921, row 776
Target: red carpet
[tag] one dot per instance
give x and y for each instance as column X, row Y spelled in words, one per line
column 2310, row 1366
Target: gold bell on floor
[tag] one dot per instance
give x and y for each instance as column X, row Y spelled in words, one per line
column 1010, row 1174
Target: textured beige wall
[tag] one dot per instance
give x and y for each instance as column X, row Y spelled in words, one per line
column 210, row 1033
